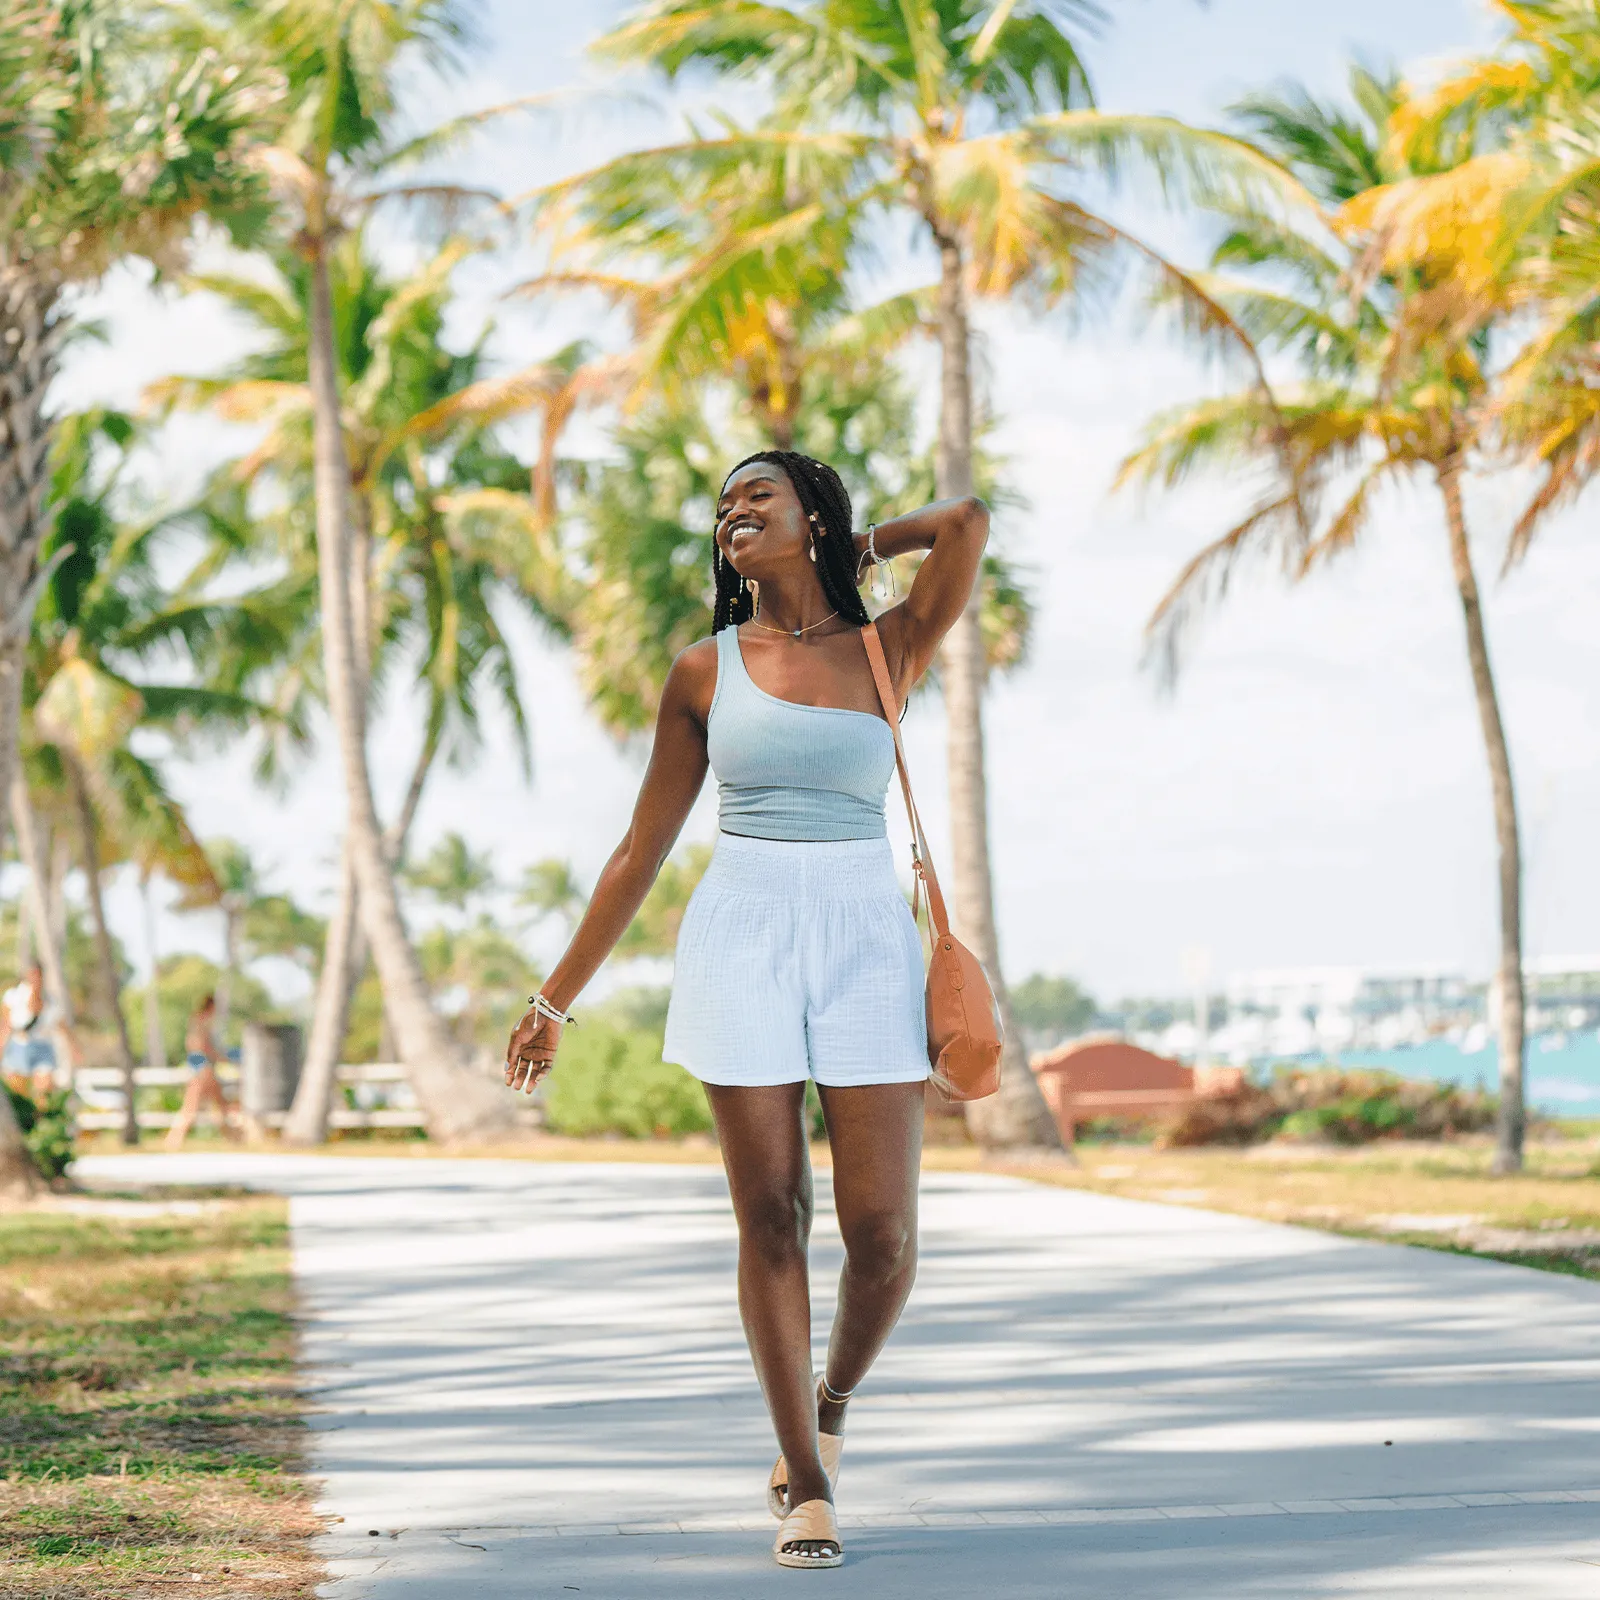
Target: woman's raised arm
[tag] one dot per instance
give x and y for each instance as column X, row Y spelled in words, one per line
column 954, row 533
column 671, row 783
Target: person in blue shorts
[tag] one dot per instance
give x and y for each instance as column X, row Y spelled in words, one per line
column 29, row 1023
column 205, row 1087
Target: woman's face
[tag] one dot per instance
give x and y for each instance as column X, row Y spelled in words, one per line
column 760, row 524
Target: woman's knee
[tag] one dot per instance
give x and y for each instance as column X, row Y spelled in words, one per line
column 881, row 1246
column 776, row 1226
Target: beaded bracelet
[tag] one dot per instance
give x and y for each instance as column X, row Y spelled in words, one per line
column 542, row 1007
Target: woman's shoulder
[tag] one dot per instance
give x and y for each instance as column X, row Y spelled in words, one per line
column 692, row 679
column 697, row 660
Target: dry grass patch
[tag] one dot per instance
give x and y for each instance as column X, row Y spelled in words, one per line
column 1442, row 1196
column 150, row 1431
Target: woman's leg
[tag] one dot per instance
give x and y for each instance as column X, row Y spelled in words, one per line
column 763, row 1138
column 211, row 1095
column 179, row 1131
column 875, row 1131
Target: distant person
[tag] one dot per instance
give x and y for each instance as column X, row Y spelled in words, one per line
column 28, row 1025
column 798, row 959
column 205, row 1087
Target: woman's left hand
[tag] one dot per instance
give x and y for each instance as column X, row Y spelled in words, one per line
column 532, row 1050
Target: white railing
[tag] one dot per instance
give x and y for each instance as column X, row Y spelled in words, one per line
column 99, row 1092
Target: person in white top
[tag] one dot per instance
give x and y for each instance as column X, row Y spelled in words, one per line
column 28, row 1025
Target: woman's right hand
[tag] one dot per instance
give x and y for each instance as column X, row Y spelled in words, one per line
column 532, row 1050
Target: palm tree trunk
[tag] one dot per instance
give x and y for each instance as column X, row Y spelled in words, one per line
column 344, row 962
column 60, row 866
column 1017, row 1117
column 30, row 337
column 344, row 952
column 230, row 966
column 25, row 928
column 307, row 1122
column 31, row 329
column 1508, row 982
column 105, row 954
column 457, row 1102
column 36, row 859
column 155, row 1047
column 395, row 837
column 398, row 833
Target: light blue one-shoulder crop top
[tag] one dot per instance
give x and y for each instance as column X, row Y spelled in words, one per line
column 787, row 771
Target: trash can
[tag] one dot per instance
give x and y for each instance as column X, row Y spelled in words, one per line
column 269, row 1069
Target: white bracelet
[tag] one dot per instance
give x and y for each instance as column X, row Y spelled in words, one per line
column 542, row 1008
column 869, row 556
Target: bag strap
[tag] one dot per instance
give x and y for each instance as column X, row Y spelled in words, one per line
column 921, row 863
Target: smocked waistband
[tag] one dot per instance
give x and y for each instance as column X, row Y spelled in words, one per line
column 813, row 869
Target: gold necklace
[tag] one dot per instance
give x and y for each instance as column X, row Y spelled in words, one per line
column 794, row 633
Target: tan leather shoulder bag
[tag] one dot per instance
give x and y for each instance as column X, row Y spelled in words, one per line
column 964, row 1035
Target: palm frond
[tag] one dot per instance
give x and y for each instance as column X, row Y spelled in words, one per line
column 1271, row 529
column 1348, row 522
column 1192, row 166
column 451, row 134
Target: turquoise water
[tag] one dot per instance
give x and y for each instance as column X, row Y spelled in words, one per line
column 1563, row 1069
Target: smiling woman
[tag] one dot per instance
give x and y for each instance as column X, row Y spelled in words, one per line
column 798, row 960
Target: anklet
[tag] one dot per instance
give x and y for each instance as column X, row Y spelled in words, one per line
column 832, row 1395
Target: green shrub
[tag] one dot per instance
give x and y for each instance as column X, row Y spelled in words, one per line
column 611, row 1079
column 46, row 1129
column 1325, row 1105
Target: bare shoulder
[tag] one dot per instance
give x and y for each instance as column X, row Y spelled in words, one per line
column 692, row 680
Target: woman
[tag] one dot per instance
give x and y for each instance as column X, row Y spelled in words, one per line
column 798, row 957
column 29, row 1022
column 205, row 1087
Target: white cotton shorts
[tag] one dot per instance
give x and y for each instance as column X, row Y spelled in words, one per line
column 799, row 959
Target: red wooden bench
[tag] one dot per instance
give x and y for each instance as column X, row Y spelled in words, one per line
column 1094, row 1078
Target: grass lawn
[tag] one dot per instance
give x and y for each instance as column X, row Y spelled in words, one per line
column 149, row 1420
column 1440, row 1195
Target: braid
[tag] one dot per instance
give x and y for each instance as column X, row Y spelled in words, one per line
column 821, row 493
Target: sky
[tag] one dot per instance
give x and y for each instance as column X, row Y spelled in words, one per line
column 1313, row 793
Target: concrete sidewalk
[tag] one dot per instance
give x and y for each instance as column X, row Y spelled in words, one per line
column 533, row 1382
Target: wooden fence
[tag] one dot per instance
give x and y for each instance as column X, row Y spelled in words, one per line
column 95, row 1084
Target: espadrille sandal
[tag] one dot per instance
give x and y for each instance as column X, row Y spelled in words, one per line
column 815, row 1522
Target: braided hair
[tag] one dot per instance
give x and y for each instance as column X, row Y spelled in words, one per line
column 822, row 494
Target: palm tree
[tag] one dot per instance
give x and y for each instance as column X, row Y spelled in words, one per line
column 104, row 620
column 237, row 890
column 453, row 874
column 335, row 151
column 1529, row 198
column 1393, row 351
column 419, row 429
column 41, row 844
column 119, row 124
column 255, row 922
column 973, row 118
column 127, row 124
column 550, row 888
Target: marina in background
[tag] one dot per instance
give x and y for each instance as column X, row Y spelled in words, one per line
column 1426, row 1023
